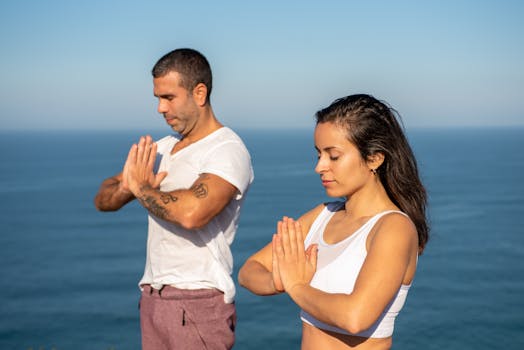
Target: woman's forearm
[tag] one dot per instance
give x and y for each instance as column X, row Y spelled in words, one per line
column 256, row 278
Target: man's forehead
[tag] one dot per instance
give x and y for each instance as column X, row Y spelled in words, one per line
column 170, row 81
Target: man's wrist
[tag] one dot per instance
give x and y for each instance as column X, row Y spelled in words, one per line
column 124, row 191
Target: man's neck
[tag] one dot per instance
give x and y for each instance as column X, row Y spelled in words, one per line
column 206, row 125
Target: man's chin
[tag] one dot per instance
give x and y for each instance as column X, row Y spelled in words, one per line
column 177, row 130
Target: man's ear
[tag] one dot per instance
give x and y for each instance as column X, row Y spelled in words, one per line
column 375, row 160
column 200, row 94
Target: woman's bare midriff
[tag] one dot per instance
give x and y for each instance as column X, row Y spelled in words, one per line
column 314, row 339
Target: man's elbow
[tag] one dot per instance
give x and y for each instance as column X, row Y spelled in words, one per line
column 105, row 205
column 101, row 206
column 193, row 221
column 191, row 225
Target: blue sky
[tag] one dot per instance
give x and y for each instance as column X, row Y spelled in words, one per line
column 86, row 64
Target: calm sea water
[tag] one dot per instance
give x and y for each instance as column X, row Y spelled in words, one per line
column 69, row 273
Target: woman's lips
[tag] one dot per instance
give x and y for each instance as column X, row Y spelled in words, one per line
column 327, row 182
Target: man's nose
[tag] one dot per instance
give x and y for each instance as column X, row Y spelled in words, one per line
column 162, row 107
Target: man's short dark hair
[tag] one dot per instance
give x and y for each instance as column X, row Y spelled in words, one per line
column 192, row 66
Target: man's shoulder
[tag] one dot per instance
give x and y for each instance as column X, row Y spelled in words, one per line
column 225, row 137
column 226, row 133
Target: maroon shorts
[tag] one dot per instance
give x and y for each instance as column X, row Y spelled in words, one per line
column 173, row 318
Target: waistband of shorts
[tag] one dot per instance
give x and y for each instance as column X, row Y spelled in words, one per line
column 177, row 293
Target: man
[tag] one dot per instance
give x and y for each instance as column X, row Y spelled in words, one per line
column 193, row 197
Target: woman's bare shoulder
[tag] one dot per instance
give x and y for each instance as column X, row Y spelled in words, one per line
column 307, row 219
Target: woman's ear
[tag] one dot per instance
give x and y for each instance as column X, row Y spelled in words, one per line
column 375, row 161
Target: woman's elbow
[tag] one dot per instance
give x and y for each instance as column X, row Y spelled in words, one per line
column 353, row 327
column 242, row 276
column 249, row 277
column 356, row 322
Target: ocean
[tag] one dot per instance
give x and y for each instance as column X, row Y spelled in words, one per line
column 70, row 273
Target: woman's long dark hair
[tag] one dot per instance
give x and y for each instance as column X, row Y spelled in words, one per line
column 373, row 127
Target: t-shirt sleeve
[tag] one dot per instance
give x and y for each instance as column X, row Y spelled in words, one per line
column 231, row 161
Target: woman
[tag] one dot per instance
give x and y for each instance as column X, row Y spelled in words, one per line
column 361, row 256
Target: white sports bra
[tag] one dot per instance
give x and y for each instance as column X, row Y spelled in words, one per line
column 346, row 258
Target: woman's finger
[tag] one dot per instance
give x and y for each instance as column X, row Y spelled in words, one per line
column 311, row 254
column 277, row 281
column 299, row 239
column 284, row 238
column 279, row 249
column 294, row 249
column 299, row 233
column 274, row 247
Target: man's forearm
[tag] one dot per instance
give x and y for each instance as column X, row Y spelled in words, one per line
column 156, row 202
column 111, row 196
column 179, row 206
column 190, row 208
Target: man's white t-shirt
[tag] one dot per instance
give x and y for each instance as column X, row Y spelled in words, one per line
column 201, row 258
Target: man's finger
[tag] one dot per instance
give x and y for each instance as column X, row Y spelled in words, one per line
column 131, row 156
column 152, row 157
column 140, row 150
column 158, row 178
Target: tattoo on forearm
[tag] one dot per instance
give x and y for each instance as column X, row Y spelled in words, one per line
column 150, row 203
column 200, row 190
column 158, row 208
column 167, row 198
